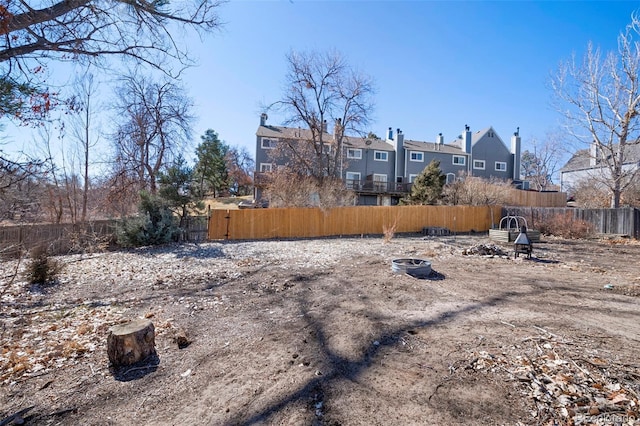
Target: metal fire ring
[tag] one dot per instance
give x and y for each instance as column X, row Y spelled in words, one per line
column 414, row 267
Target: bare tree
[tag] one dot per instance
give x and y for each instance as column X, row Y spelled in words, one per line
column 20, row 189
column 155, row 124
column 476, row 191
column 322, row 87
column 541, row 162
column 240, row 164
column 599, row 96
column 70, row 30
column 82, row 128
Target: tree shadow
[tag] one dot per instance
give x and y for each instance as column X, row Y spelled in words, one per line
column 127, row 373
column 340, row 368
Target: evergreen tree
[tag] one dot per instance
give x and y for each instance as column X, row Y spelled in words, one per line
column 211, row 169
column 154, row 225
column 179, row 190
column 428, row 185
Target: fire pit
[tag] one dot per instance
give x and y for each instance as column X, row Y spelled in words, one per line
column 414, row 267
column 523, row 243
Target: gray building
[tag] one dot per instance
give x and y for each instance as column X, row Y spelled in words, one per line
column 590, row 165
column 381, row 171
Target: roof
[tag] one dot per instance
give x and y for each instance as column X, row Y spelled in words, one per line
column 578, row 161
column 364, row 143
column 305, row 134
column 378, row 144
column 433, row 147
column 581, row 159
column 288, row 133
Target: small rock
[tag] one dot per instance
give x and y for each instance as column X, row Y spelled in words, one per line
column 181, row 339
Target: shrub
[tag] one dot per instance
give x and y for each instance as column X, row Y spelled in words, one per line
column 155, row 224
column 41, row 269
column 389, row 231
column 476, row 191
column 565, row 226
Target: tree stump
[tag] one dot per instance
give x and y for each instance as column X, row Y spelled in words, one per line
column 131, row 342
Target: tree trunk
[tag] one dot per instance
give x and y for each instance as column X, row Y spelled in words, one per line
column 131, row 342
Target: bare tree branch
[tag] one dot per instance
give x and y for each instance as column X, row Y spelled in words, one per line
column 599, row 98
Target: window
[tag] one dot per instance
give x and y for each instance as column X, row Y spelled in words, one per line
column 416, row 156
column 459, row 160
column 478, row 164
column 266, row 167
column 268, row 143
column 326, row 148
column 353, row 180
column 451, row 178
column 412, row 178
column 380, row 155
column 354, row 153
column 501, row 166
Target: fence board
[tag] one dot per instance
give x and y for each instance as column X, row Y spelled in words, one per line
column 538, row 199
column 61, row 238
column 621, row 221
column 315, row 222
column 58, row 238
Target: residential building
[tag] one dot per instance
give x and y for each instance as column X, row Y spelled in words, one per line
column 381, row 171
column 588, row 165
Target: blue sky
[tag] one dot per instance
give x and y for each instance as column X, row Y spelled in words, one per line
column 437, row 65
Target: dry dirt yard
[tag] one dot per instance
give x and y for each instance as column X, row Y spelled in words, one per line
column 324, row 332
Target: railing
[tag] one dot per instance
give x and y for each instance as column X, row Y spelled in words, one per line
column 261, row 179
column 377, row 187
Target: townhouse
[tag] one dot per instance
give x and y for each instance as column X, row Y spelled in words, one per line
column 381, row 171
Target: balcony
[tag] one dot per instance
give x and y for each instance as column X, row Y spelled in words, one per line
column 260, row 180
column 376, row 187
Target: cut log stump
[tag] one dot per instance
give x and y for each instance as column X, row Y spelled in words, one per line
column 131, row 342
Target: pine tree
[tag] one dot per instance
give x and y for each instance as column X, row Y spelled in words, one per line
column 427, row 187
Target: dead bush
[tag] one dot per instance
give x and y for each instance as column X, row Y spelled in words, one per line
column 565, row 226
column 476, row 191
column 289, row 189
column 389, row 231
column 590, row 195
column 41, row 268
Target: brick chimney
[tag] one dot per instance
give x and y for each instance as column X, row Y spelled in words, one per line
column 263, row 119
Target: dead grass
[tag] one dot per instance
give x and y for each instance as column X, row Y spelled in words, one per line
column 225, row 203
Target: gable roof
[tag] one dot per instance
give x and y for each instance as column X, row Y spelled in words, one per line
column 581, row 159
column 476, row 136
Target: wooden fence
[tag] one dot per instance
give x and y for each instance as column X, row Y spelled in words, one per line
column 538, row 199
column 56, row 238
column 621, row 221
column 314, row 222
column 67, row 237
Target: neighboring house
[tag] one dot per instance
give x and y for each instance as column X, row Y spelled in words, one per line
column 381, row 171
column 587, row 165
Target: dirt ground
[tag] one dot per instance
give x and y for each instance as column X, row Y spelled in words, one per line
column 323, row 332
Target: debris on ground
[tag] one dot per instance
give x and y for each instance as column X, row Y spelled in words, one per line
column 484, row 250
column 569, row 386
